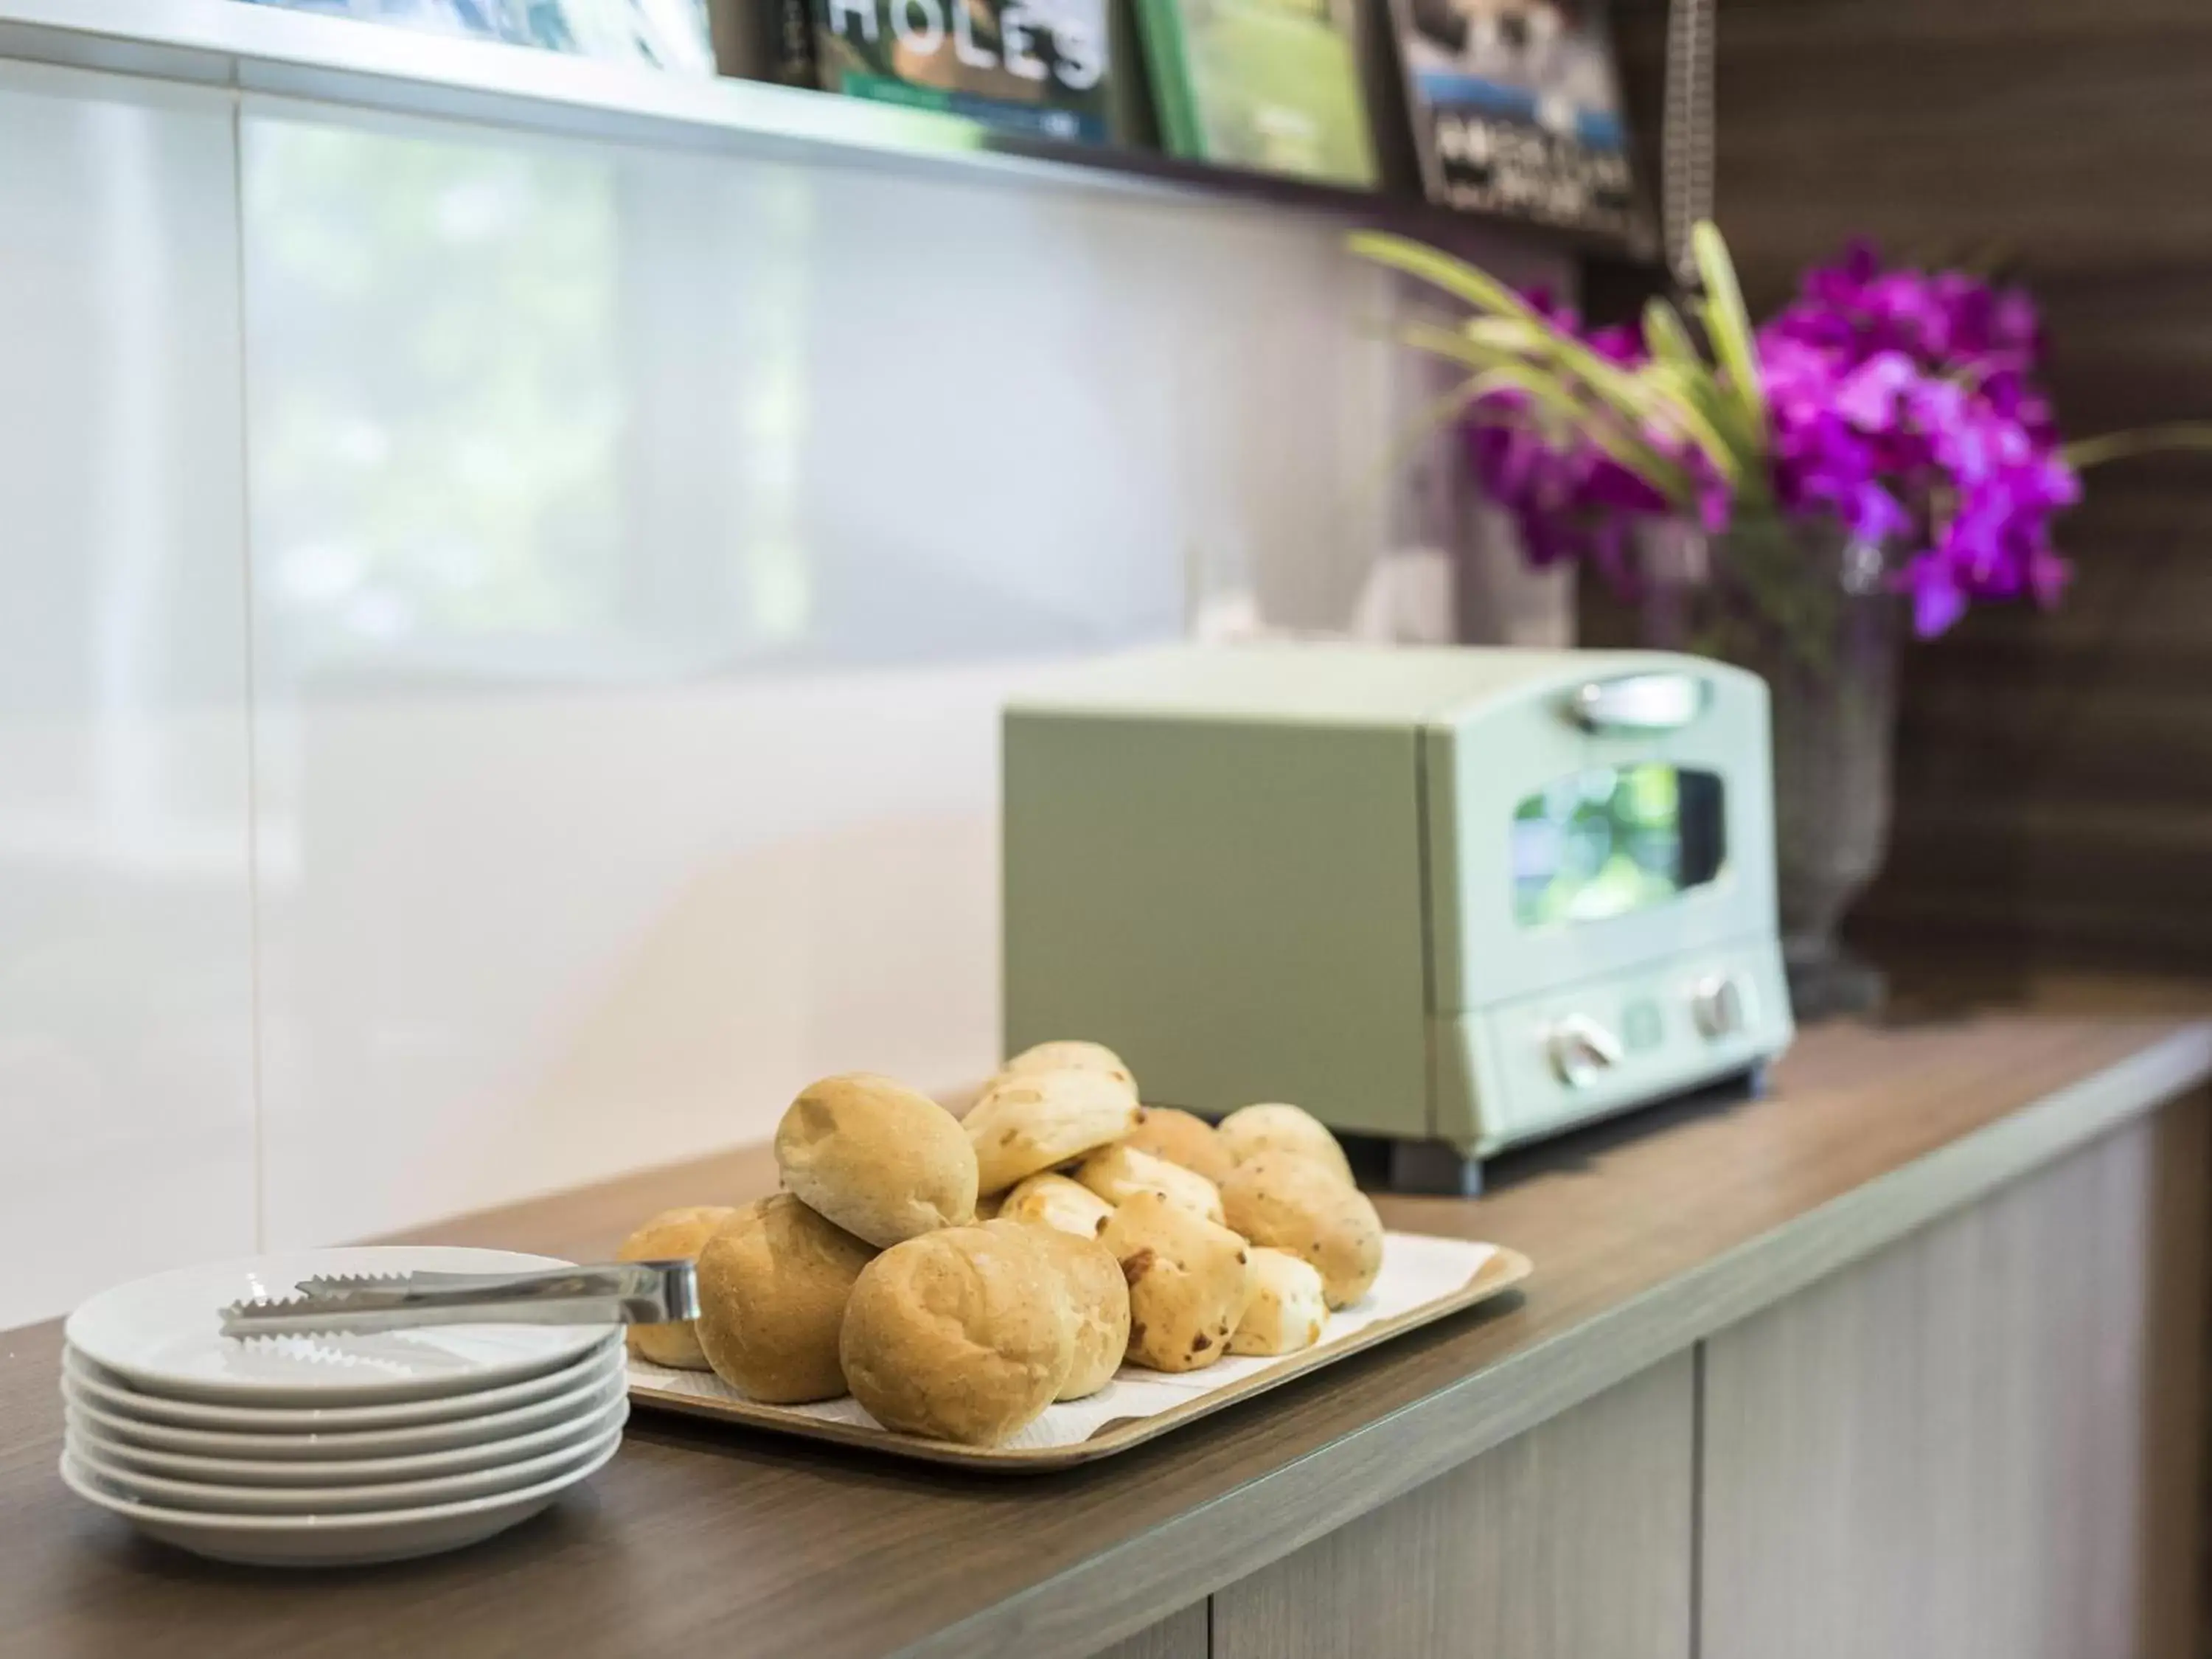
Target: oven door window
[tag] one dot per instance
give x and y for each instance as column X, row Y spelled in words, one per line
column 1601, row 843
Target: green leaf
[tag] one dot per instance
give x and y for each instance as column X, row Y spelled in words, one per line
column 1510, row 332
column 1615, row 391
column 2144, row 440
column 1677, row 364
column 1672, row 405
column 1575, row 390
column 1439, row 412
column 1625, row 446
column 1511, row 317
column 1453, row 345
column 1455, row 276
column 1667, row 339
column 1611, row 415
column 1728, row 326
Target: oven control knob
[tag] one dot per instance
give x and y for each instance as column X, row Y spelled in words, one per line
column 1581, row 1050
column 1719, row 1007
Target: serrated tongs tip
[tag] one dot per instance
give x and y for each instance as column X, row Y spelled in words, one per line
column 345, row 1304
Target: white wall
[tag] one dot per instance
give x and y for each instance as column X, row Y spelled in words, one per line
column 500, row 638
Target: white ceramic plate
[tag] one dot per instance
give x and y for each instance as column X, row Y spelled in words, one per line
column 587, row 1396
column 214, row 1499
column 162, row 1335
column 328, row 1541
column 87, row 1429
column 83, row 1380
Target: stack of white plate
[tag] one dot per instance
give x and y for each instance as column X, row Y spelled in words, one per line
column 316, row 1451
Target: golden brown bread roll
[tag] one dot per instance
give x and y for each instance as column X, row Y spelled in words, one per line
column 1288, row 1201
column 1288, row 1309
column 1070, row 1057
column 1097, row 1299
column 672, row 1235
column 1118, row 1173
column 1251, row 1130
column 1057, row 1202
column 1026, row 1124
column 877, row 1159
column 961, row 1335
column 1188, row 1281
column 1180, row 1137
column 772, row 1284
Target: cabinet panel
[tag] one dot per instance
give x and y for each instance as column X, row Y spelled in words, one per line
column 1984, row 1442
column 1179, row 1636
column 1573, row 1541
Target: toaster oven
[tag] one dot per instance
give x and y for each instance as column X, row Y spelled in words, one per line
column 1456, row 898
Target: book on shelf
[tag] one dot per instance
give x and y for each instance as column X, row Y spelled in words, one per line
column 1515, row 109
column 668, row 34
column 1271, row 85
column 1043, row 67
column 765, row 41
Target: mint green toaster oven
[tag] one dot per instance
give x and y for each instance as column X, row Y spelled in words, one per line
column 1457, row 898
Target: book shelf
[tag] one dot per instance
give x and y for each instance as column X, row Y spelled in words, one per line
column 281, row 53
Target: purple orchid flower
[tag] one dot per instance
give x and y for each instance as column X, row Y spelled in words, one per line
column 1903, row 405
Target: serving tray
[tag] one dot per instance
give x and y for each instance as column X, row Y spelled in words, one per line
column 1423, row 1279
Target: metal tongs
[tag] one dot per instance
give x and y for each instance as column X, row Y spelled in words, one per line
column 348, row 1304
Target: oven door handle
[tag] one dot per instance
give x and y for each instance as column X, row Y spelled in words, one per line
column 1637, row 704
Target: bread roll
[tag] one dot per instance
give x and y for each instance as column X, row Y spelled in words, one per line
column 1171, row 1133
column 1097, row 1298
column 1288, row 1309
column 1057, row 1202
column 1251, row 1130
column 881, row 1161
column 1070, row 1057
column 1288, row 1201
column 1028, row 1123
column 1117, row 1173
column 672, row 1235
column 961, row 1335
column 772, row 1284
column 1187, row 1277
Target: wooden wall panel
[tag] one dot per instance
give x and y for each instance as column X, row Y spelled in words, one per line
column 1984, row 1443
column 1571, row 1541
column 2054, row 801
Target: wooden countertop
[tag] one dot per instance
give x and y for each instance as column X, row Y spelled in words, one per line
column 1647, row 1235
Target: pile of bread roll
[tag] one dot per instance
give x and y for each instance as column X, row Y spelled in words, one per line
column 958, row 1276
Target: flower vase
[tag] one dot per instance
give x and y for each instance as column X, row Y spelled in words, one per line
column 1808, row 609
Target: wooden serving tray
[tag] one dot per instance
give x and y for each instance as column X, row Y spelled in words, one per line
column 1424, row 1279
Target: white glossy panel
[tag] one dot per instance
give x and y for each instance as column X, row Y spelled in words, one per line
column 126, row 1124
column 643, row 544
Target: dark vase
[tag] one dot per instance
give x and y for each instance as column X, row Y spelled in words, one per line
column 1808, row 609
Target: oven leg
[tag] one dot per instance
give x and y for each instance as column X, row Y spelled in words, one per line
column 1434, row 1167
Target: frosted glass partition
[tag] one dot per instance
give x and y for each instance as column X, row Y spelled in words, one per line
column 643, row 544
column 503, row 633
column 638, row 412
column 126, row 1102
